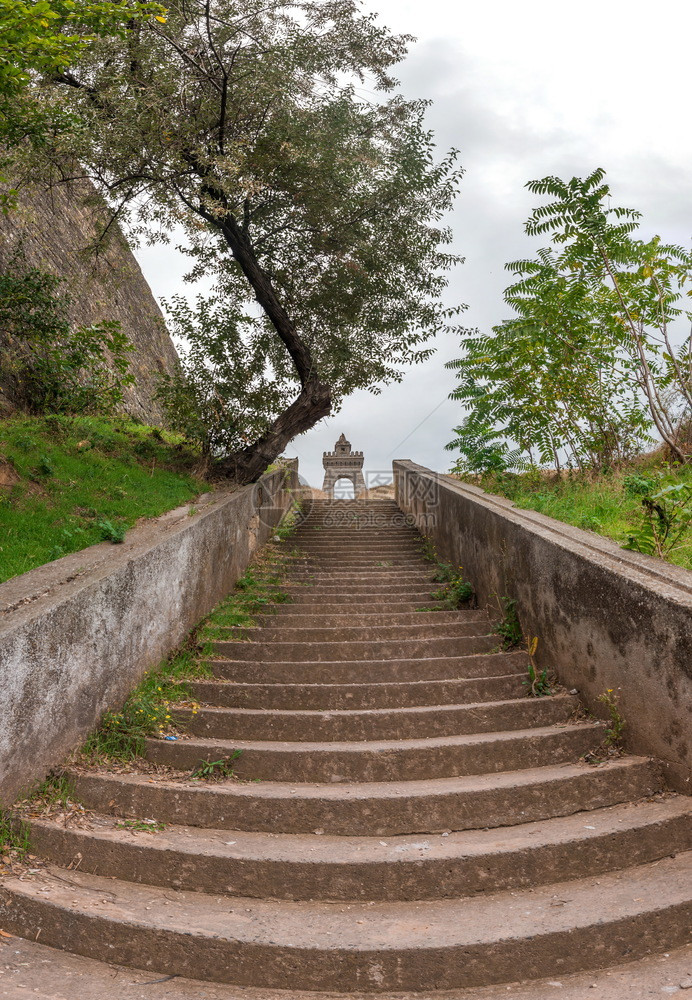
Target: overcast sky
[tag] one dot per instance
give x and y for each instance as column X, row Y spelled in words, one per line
column 523, row 90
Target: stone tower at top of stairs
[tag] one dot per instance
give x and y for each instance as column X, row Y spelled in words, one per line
column 342, row 463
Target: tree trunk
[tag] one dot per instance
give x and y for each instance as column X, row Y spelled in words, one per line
column 247, row 464
column 314, row 401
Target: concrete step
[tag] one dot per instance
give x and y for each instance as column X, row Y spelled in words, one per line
column 367, row 554
column 357, row 565
column 417, row 598
column 362, row 569
column 333, row 571
column 381, row 723
column 375, row 575
column 404, row 694
column 278, row 631
column 356, row 535
column 403, row 819
column 442, row 944
column 309, row 605
column 357, row 541
column 88, row 979
column 295, row 866
column 289, row 616
column 385, row 760
column 315, row 530
column 334, row 589
column 360, row 671
column 332, row 503
column 374, row 649
column 372, row 808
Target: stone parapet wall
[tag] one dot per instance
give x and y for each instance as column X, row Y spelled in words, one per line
column 77, row 634
column 605, row 617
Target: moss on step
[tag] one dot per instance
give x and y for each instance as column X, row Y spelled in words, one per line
column 148, row 711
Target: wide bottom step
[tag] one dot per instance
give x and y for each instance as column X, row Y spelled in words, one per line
column 554, row 930
column 35, row 970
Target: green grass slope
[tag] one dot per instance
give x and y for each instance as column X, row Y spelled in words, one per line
column 66, row 483
column 609, row 505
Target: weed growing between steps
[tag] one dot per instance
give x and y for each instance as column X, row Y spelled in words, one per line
column 613, row 741
column 216, row 770
column 53, row 797
column 456, row 592
column 509, row 627
column 540, row 682
column 615, row 732
column 14, row 841
column 55, row 791
column 140, row 825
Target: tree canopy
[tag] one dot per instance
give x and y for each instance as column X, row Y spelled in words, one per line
column 274, row 136
column 587, row 364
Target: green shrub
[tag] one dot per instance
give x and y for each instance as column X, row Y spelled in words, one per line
column 637, row 486
column 666, row 522
column 112, row 532
column 51, row 365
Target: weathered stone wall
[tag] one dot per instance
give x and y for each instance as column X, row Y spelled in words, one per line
column 55, row 229
column 605, row 617
column 77, row 634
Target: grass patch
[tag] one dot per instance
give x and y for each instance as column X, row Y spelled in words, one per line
column 15, row 842
column 257, row 590
column 70, row 482
column 216, row 770
column 261, row 587
column 55, row 790
column 147, row 712
column 611, row 505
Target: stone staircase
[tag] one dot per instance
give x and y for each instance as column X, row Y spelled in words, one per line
column 407, row 819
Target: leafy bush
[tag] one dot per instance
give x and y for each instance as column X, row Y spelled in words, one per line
column 637, row 486
column 482, row 450
column 666, row 523
column 52, row 366
column 112, row 532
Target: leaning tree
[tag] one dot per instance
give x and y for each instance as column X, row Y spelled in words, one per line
column 272, row 135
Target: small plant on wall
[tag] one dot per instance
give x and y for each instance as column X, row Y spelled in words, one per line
column 539, row 681
column 614, row 734
column 509, row 627
column 455, row 592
